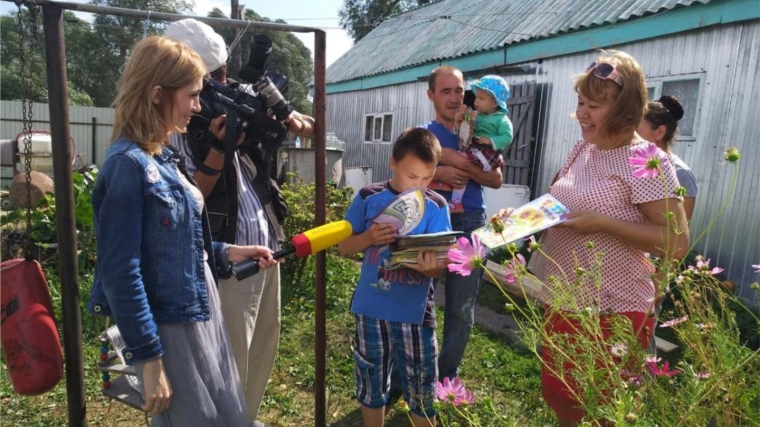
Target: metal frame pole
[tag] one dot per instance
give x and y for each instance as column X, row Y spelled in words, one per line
column 55, row 64
column 320, row 117
column 55, row 57
column 162, row 16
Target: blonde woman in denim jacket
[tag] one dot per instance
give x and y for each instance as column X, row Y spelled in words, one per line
column 156, row 267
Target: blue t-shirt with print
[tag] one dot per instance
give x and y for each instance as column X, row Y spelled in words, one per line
column 396, row 295
column 473, row 193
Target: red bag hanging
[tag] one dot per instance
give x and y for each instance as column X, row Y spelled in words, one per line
column 30, row 340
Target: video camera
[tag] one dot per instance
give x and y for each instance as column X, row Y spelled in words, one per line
column 252, row 111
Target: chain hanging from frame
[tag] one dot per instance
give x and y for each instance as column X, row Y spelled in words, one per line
column 27, row 43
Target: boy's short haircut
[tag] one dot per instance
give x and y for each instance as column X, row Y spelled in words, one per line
column 420, row 143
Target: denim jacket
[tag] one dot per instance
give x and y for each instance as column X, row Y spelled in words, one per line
column 150, row 236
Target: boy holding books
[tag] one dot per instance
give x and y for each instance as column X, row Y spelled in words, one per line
column 393, row 307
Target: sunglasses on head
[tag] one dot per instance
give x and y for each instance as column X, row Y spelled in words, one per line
column 605, row 70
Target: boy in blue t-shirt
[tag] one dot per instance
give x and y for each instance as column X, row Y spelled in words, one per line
column 394, row 310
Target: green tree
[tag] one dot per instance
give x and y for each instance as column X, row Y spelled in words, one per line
column 359, row 17
column 11, row 81
column 289, row 57
column 102, row 53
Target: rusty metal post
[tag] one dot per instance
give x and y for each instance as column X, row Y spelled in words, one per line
column 94, row 159
column 162, row 16
column 236, row 61
column 55, row 64
column 320, row 156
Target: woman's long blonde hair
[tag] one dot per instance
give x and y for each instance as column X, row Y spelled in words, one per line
column 155, row 61
column 630, row 100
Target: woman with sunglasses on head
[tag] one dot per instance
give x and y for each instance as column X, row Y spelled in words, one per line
column 156, row 267
column 623, row 215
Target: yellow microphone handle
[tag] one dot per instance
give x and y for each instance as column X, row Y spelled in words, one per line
column 322, row 237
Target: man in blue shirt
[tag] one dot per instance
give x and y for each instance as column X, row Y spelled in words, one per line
column 446, row 91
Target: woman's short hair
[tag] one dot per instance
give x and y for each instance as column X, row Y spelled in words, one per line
column 666, row 111
column 630, row 99
column 155, row 61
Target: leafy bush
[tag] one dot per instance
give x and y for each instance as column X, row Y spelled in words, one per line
column 298, row 273
column 43, row 232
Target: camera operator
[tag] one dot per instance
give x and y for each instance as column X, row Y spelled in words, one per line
column 245, row 207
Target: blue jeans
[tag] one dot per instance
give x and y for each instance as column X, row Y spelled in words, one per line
column 461, row 297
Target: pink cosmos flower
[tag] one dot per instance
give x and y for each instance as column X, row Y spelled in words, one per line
column 513, row 268
column 626, row 374
column 652, row 359
column 663, row 371
column 619, row 350
column 646, row 161
column 757, row 266
column 673, row 322
column 467, row 257
column 703, row 267
column 633, row 380
column 532, row 243
column 466, row 398
column 453, row 392
column 702, row 375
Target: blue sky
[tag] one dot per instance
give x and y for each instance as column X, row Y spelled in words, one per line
column 312, row 13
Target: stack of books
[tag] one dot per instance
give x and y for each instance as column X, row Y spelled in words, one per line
column 405, row 249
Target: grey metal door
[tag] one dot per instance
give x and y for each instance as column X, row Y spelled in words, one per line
column 519, row 155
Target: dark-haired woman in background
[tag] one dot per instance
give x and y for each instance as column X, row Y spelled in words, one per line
column 659, row 127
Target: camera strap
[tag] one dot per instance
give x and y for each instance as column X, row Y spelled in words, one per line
column 230, row 138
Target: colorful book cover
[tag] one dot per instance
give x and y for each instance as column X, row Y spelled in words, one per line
column 405, row 212
column 405, row 249
column 540, row 214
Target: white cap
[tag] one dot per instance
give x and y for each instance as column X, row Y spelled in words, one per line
column 202, row 38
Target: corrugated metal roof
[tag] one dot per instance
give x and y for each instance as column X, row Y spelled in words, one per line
column 452, row 28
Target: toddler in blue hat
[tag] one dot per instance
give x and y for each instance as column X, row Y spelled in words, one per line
column 491, row 131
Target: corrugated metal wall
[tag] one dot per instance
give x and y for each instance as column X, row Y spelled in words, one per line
column 727, row 57
column 409, row 105
column 81, row 129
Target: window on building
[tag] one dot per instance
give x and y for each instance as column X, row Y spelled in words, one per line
column 650, row 93
column 688, row 90
column 378, row 127
column 368, row 122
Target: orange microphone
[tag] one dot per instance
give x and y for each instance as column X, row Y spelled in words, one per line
column 304, row 244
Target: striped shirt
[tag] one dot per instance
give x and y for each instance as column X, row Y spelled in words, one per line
column 253, row 228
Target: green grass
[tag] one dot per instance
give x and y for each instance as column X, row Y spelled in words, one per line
column 493, row 367
column 49, row 409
